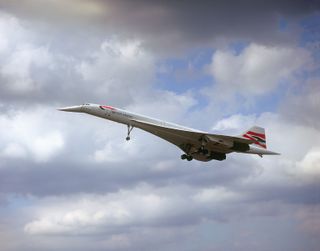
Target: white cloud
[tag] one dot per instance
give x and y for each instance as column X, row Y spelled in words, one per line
column 17, row 69
column 116, row 151
column 257, row 70
column 143, row 147
column 8, row 38
column 45, row 146
column 297, row 144
column 119, row 69
column 19, row 56
column 89, row 213
column 35, row 68
column 216, row 195
column 164, row 166
column 235, row 122
column 164, row 105
column 310, row 164
column 28, row 134
column 14, row 150
column 145, row 206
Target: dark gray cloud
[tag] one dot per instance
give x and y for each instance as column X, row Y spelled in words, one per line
column 70, row 51
column 168, row 25
column 63, row 178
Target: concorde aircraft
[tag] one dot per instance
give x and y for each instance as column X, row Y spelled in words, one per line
column 195, row 144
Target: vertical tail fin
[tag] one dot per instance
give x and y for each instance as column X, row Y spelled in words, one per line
column 257, row 135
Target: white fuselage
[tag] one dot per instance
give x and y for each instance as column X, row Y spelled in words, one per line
column 125, row 117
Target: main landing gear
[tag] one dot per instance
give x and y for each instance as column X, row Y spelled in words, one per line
column 192, row 150
column 130, row 127
column 187, row 149
column 187, row 157
column 202, row 150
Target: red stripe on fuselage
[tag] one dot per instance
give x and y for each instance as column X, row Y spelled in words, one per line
column 107, row 107
column 255, row 141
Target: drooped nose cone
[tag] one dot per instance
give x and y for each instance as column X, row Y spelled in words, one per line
column 76, row 108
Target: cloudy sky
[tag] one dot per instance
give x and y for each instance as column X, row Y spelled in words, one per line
column 72, row 182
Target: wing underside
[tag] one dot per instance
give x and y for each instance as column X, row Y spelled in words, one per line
column 183, row 138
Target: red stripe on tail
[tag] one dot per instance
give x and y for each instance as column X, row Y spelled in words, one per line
column 255, row 141
column 257, row 134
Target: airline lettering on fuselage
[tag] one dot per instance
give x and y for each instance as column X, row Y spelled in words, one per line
column 106, row 107
column 115, row 111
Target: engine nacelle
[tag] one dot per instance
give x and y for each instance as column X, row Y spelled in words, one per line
column 240, row 147
column 217, row 156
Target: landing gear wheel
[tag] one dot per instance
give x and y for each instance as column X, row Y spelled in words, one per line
column 189, row 158
column 127, row 138
column 184, row 156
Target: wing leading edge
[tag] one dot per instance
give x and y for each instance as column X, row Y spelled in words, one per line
column 190, row 135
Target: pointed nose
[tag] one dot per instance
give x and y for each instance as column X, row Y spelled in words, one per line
column 76, row 108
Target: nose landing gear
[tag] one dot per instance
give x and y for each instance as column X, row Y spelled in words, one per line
column 130, row 127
